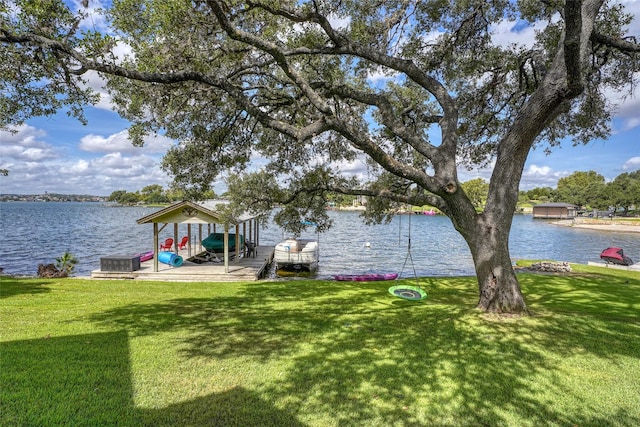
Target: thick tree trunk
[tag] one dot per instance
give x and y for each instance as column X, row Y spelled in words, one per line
column 499, row 288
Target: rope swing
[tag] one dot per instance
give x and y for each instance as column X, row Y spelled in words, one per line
column 408, row 292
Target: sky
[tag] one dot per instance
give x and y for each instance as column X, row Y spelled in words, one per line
column 58, row 154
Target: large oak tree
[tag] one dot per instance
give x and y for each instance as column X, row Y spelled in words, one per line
column 417, row 88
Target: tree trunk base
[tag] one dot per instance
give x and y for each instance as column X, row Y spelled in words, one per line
column 502, row 296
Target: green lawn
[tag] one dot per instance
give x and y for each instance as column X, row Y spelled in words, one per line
column 318, row 353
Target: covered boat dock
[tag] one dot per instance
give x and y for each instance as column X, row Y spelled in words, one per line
column 246, row 260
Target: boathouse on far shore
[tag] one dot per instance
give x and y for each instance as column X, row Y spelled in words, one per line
column 555, row 211
column 201, row 219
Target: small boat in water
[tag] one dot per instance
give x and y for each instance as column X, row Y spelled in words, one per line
column 296, row 255
column 367, row 277
column 614, row 255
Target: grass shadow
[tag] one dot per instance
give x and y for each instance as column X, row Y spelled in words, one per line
column 85, row 380
column 364, row 357
column 11, row 286
column 235, row 407
column 80, row 380
column 597, row 296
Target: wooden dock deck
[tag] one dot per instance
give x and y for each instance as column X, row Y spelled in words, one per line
column 240, row 270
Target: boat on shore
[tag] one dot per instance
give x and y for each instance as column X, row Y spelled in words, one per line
column 367, row 277
column 296, row 255
column 614, row 255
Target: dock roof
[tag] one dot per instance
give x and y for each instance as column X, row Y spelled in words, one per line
column 186, row 212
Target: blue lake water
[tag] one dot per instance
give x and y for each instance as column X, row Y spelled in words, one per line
column 35, row 233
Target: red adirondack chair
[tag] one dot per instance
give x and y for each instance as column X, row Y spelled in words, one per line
column 167, row 245
column 183, row 243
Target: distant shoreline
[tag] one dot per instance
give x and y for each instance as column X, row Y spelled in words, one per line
column 616, row 227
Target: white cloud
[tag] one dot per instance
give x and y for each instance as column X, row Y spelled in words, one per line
column 629, row 123
column 631, row 165
column 633, row 7
column 117, row 164
column 98, row 84
column 533, row 176
column 24, row 143
column 120, row 143
column 503, row 36
column 540, row 172
column 540, row 176
column 81, row 167
column 339, row 23
column 627, row 106
column 38, row 154
column 10, row 152
column 357, row 167
column 94, row 20
column 99, row 176
column 507, row 33
column 35, row 166
column 381, row 76
column 23, row 134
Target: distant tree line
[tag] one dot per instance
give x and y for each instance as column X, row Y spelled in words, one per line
column 151, row 195
column 589, row 191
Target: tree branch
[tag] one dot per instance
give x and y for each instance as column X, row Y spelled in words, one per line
column 389, row 116
column 344, row 46
column 85, row 64
column 271, row 49
column 615, row 42
column 572, row 43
